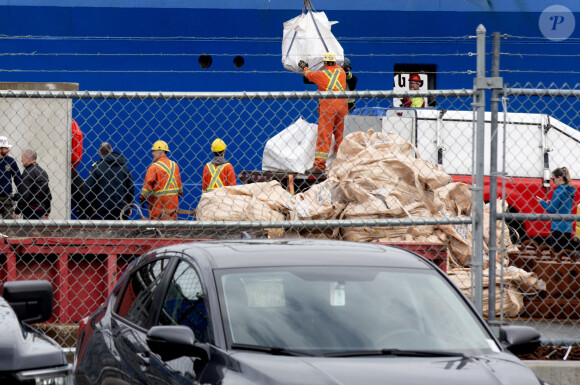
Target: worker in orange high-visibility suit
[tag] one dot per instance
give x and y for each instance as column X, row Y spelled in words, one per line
column 218, row 172
column 162, row 185
column 331, row 111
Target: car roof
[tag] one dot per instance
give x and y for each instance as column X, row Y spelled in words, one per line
column 225, row 254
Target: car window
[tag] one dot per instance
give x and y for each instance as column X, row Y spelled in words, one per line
column 184, row 303
column 345, row 309
column 135, row 304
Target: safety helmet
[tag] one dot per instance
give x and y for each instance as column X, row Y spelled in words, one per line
column 160, row 145
column 346, row 63
column 4, row 142
column 416, row 78
column 329, row 56
column 218, row 145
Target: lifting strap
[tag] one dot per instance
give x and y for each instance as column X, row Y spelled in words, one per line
column 308, row 6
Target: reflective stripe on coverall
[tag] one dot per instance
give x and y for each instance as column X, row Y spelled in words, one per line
column 219, row 176
column 331, row 111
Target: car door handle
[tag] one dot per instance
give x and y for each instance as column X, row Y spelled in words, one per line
column 143, row 358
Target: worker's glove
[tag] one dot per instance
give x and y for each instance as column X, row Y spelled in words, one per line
column 143, row 201
column 302, row 64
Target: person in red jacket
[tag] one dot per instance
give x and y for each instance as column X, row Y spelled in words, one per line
column 218, row 172
column 331, row 111
column 77, row 145
column 78, row 201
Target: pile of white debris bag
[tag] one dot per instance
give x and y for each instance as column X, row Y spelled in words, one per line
column 377, row 175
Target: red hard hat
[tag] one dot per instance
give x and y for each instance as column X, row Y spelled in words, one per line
column 414, row 78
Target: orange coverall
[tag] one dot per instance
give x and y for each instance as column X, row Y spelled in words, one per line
column 215, row 177
column 331, row 111
column 162, row 188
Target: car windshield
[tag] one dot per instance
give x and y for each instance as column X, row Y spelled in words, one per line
column 345, row 310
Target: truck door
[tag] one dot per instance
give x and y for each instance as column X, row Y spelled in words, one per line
column 402, row 121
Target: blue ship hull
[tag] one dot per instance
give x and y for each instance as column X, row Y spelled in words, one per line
column 155, row 45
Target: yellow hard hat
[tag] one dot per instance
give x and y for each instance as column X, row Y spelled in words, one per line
column 329, row 56
column 160, row 145
column 218, row 145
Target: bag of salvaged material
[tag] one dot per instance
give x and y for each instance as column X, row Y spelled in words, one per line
column 526, row 281
column 512, row 298
column 455, row 197
column 457, row 238
column 382, row 205
column 513, row 301
column 373, row 160
column 499, row 231
column 391, row 172
column 293, row 148
column 358, row 142
column 265, row 201
column 431, row 175
column 321, row 201
column 308, row 37
column 373, row 207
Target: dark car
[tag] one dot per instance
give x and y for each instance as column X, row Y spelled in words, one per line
column 293, row 312
column 26, row 355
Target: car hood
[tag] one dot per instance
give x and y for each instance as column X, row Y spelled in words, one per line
column 22, row 347
column 497, row 368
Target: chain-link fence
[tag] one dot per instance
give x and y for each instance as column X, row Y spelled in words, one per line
column 542, row 210
column 417, row 178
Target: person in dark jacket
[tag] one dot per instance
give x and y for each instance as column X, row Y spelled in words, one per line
column 110, row 185
column 561, row 203
column 8, row 172
column 34, row 197
column 351, row 81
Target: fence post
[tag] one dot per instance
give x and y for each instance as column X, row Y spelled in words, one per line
column 479, row 92
column 493, row 179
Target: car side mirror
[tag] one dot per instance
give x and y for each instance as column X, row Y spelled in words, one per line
column 30, row 300
column 519, row 339
column 172, row 342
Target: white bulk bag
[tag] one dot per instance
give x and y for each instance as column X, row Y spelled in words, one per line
column 293, row 148
column 307, row 37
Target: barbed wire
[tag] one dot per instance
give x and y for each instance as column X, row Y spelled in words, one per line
column 541, row 71
column 570, row 39
column 538, row 54
column 184, row 54
column 277, row 39
column 247, row 72
column 215, row 54
column 228, row 38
